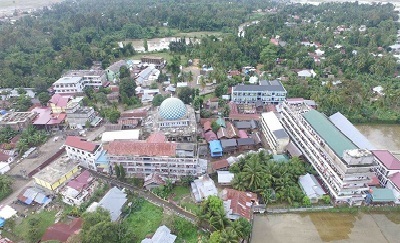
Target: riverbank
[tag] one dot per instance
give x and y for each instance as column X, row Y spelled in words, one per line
column 325, row 227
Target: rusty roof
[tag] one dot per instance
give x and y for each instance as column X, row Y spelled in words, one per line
column 241, row 202
column 141, row 148
column 220, row 164
column 79, row 143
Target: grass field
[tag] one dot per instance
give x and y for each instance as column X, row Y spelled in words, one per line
column 179, row 192
column 24, row 4
column 45, row 220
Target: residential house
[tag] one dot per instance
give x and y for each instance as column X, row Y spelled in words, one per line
column 152, row 181
column 33, row 195
column 158, row 62
column 268, row 92
column 113, row 70
column 48, row 120
column 162, row 235
column 113, row 202
column 274, row 133
column 228, row 145
column 222, row 164
column 343, row 168
column 69, row 85
column 386, row 165
column 215, row 148
column 58, row 103
column 245, row 143
column 90, row 78
column 18, row 121
column 147, row 76
column 78, row 115
column 203, row 187
column 79, row 189
column 225, row 177
column 238, row 203
column 311, row 187
column 143, row 157
column 83, row 151
column 394, row 184
column 306, row 73
column 61, row 232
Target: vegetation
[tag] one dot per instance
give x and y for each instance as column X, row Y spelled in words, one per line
column 6, row 134
column 5, row 186
column 31, row 137
column 271, row 179
column 32, row 228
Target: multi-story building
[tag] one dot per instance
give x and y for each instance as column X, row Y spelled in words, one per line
column 82, row 151
column 386, row 165
column 158, row 62
column 75, row 81
column 17, row 120
column 90, row 78
column 344, row 169
column 276, row 137
column 68, row 85
column 79, row 189
column 78, row 115
column 267, row 92
column 155, row 155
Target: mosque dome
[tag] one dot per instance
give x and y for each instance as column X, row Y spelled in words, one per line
column 172, row 109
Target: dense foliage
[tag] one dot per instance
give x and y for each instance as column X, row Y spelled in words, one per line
column 5, row 186
column 273, row 180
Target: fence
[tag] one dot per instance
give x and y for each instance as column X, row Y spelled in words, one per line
column 292, row 209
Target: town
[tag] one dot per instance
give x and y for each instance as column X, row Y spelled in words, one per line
column 162, row 143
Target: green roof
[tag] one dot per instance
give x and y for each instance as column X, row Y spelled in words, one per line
column 327, row 131
column 382, row 195
column 280, row 158
column 221, row 122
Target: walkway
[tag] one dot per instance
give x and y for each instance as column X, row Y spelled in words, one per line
column 149, row 197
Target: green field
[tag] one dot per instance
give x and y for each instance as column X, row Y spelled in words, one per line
column 24, row 4
column 45, row 219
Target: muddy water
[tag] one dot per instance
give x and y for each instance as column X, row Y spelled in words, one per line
column 383, row 136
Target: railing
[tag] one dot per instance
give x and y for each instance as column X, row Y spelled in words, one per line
column 289, row 209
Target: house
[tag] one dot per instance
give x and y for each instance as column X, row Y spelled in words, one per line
column 132, row 134
column 79, row 189
column 162, row 235
column 273, row 132
column 222, row 164
column 90, row 78
column 228, row 145
column 83, row 151
column 311, row 187
column 268, row 92
column 306, row 73
column 60, row 232
column 245, row 143
column 394, row 184
column 380, row 196
column 207, row 126
column 203, row 187
column 238, row 203
column 158, row 62
column 113, row 70
column 152, row 181
column 58, row 103
column 48, row 120
column 68, row 85
column 225, row 177
column 33, row 195
column 4, row 165
column 210, row 135
column 113, row 202
column 387, row 165
column 18, row 121
column 56, row 173
column 78, row 115
column 147, row 76
column 215, row 148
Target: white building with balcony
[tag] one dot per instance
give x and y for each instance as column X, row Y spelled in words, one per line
column 82, row 151
column 344, row 169
column 171, row 160
column 274, row 133
column 68, row 85
column 75, row 81
column 267, row 92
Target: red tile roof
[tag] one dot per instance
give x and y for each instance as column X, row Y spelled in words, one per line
column 61, row 232
column 387, row 159
column 156, row 138
column 80, row 182
column 210, row 135
column 5, row 240
column 141, row 148
column 77, row 142
column 396, row 179
column 220, row 164
column 4, row 157
column 153, row 178
column 374, row 182
column 207, row 126
column 240, row 201
column 60, row 100
column 231, row 130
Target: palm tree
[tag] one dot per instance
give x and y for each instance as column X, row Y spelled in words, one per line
column 239, row 183
column 253, row 174
column 229, row 235
column 242, row 228
column 219, row 220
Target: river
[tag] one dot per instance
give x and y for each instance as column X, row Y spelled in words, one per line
column 382, row 136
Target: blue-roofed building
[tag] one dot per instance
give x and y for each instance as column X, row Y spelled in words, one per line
column 344, row 169
column 215, row 148
column 102, row 162
column 113, row 202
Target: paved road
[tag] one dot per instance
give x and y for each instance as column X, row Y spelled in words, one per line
column 149, row 197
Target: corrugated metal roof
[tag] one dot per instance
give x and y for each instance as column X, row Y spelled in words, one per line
column 328, row 132
column 347, row 128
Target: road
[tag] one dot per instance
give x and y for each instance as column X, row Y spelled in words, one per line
column 149, row 197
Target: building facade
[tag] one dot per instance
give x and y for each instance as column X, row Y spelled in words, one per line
column 82, row 151
column 90, row 78
column 274, row 134
column 17, row 120
column 268, row 92
column 345, row 170
column 78, row 115
column 68, row 85
column 140, row 158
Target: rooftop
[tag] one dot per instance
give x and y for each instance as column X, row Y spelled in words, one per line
column 382, row 195
column 265, row 85
column 328, row 132
column 387, row 159
column 225, row 177
column 60, row 100
column 121, row 134
column 141, row 148
column 238, row 202
column 162, row 235
column 113, row 202
column 220, row 164
column 84, row 73
column 310, row 186
column 61, row 232
column 68, row 80
column 79, row 143
column 347, row 128
column 272, row 121
column 203, row 187
column 55, row 170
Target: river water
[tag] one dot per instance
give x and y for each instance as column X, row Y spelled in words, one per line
column 382, row 136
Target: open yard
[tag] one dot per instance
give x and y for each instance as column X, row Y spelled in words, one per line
column 326, row 227
column 43, row 220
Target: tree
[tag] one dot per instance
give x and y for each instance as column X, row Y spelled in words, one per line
column 101, row 232
column 215, row 237
column 218, row 219
column 88, row 125
column 117, row 171
column 101, row 97
column 174, row 66
column 198, row 101
column 44, row 98
column 185, row 95
column 215, row 126
column 229, row 235
column 32, row 234
column 145, row 45
column 124, row 72
column 123, row 172
column 242, row 227
column 158, row 99
column 127, row 87
column 306, row 201
column 268, row 56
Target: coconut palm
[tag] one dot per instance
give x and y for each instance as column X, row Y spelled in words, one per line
column 229, row 235
column 219, row 220
column 253, row 174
